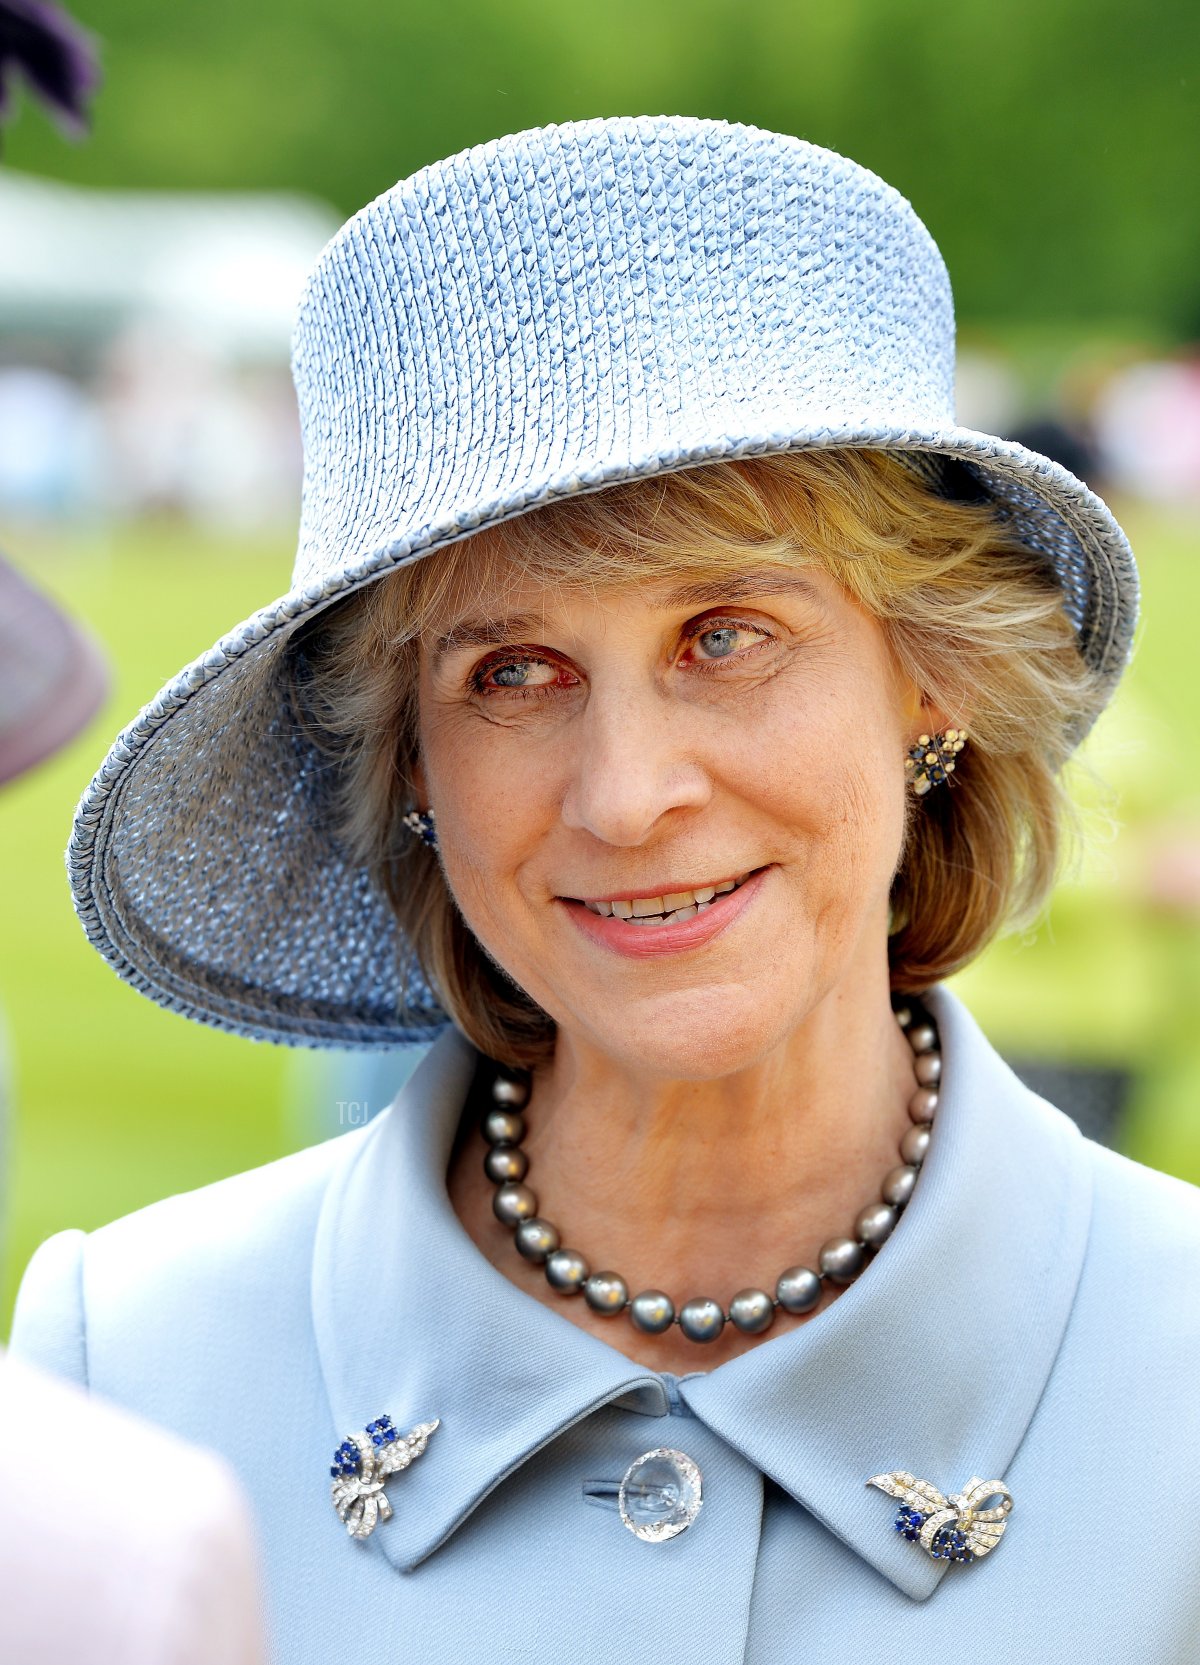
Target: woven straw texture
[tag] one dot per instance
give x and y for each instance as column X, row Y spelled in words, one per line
column 542, row 315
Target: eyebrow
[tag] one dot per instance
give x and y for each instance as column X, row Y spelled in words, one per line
column 705, row 592
column 760, row 581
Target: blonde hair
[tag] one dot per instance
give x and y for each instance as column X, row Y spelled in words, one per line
column 972, row 615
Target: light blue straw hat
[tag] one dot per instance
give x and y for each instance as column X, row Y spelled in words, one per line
column 543, row 315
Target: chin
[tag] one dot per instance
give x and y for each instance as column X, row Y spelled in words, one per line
column 716, row 1036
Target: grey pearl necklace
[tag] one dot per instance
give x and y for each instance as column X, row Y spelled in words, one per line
column 752, row 1311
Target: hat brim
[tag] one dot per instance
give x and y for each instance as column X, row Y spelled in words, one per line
column 200, row 856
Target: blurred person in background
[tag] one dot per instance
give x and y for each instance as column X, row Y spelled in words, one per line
column 669, row 696
column 118, row 1540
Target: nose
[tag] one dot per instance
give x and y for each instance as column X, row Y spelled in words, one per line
column 635, row 758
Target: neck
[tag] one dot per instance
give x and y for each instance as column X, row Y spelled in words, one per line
column 704, row 1187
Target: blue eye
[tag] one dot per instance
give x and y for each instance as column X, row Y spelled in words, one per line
column 721, row 641
column 526, row 675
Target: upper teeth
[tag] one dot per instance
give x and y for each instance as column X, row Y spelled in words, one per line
column 661, row 910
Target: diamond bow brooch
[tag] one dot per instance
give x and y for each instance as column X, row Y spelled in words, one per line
column 955, row 1528
column 363, row 1462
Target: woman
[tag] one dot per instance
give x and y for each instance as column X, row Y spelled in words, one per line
column 712, row 1290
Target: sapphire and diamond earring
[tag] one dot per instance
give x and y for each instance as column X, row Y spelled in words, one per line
column 955, row 1528
column 931, row 760
column 420, row 822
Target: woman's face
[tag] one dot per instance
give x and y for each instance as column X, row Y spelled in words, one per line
column 654, row 742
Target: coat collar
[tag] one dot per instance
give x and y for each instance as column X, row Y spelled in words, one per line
column 933, row 1361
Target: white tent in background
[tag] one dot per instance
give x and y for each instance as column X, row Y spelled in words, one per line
column 144, row 345
column 81, row 264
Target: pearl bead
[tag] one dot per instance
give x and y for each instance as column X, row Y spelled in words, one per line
column 914, row 1145
column 513, row 1095
column 923, row 1104
column 503, row 1127
column 513, row 1203
column 928, row 1068
column 922, row 1038
column 536, row 1239
column 606, row 1292
column 652, row 1312
column 566, row 1271
column 505, row 1162
column 701, row 1319
column 874, row 1224
column 898, row 1185
column 841, row 1259
column 752, row 1310
column 798, row 1289
column 904, row 1016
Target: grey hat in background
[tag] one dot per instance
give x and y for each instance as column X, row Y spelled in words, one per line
column 547, row 314
column 53, row 676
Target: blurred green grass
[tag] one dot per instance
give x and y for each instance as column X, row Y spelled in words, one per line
column 118, row 1102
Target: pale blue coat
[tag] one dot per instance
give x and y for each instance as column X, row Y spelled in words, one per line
column 1034, row 1318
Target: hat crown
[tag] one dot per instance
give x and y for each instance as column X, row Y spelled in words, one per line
column 593, row 300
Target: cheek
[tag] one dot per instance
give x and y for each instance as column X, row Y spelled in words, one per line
column 491, row 817
column 871, row 810
column 856, row 822
column 837, row 779
column 482, row 831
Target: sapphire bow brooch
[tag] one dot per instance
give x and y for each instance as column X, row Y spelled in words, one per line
column 363, row 1462
column 954, row 1528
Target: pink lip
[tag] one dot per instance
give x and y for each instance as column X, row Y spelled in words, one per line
column 645, row 942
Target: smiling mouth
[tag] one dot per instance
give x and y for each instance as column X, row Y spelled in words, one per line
column 673, row 909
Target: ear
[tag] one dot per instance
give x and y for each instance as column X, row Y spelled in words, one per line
column 924, row 715
column 420, row 790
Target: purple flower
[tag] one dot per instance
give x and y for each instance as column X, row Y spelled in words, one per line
column 56, row 57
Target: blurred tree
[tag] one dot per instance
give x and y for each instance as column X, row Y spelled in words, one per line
column 1050, row 145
